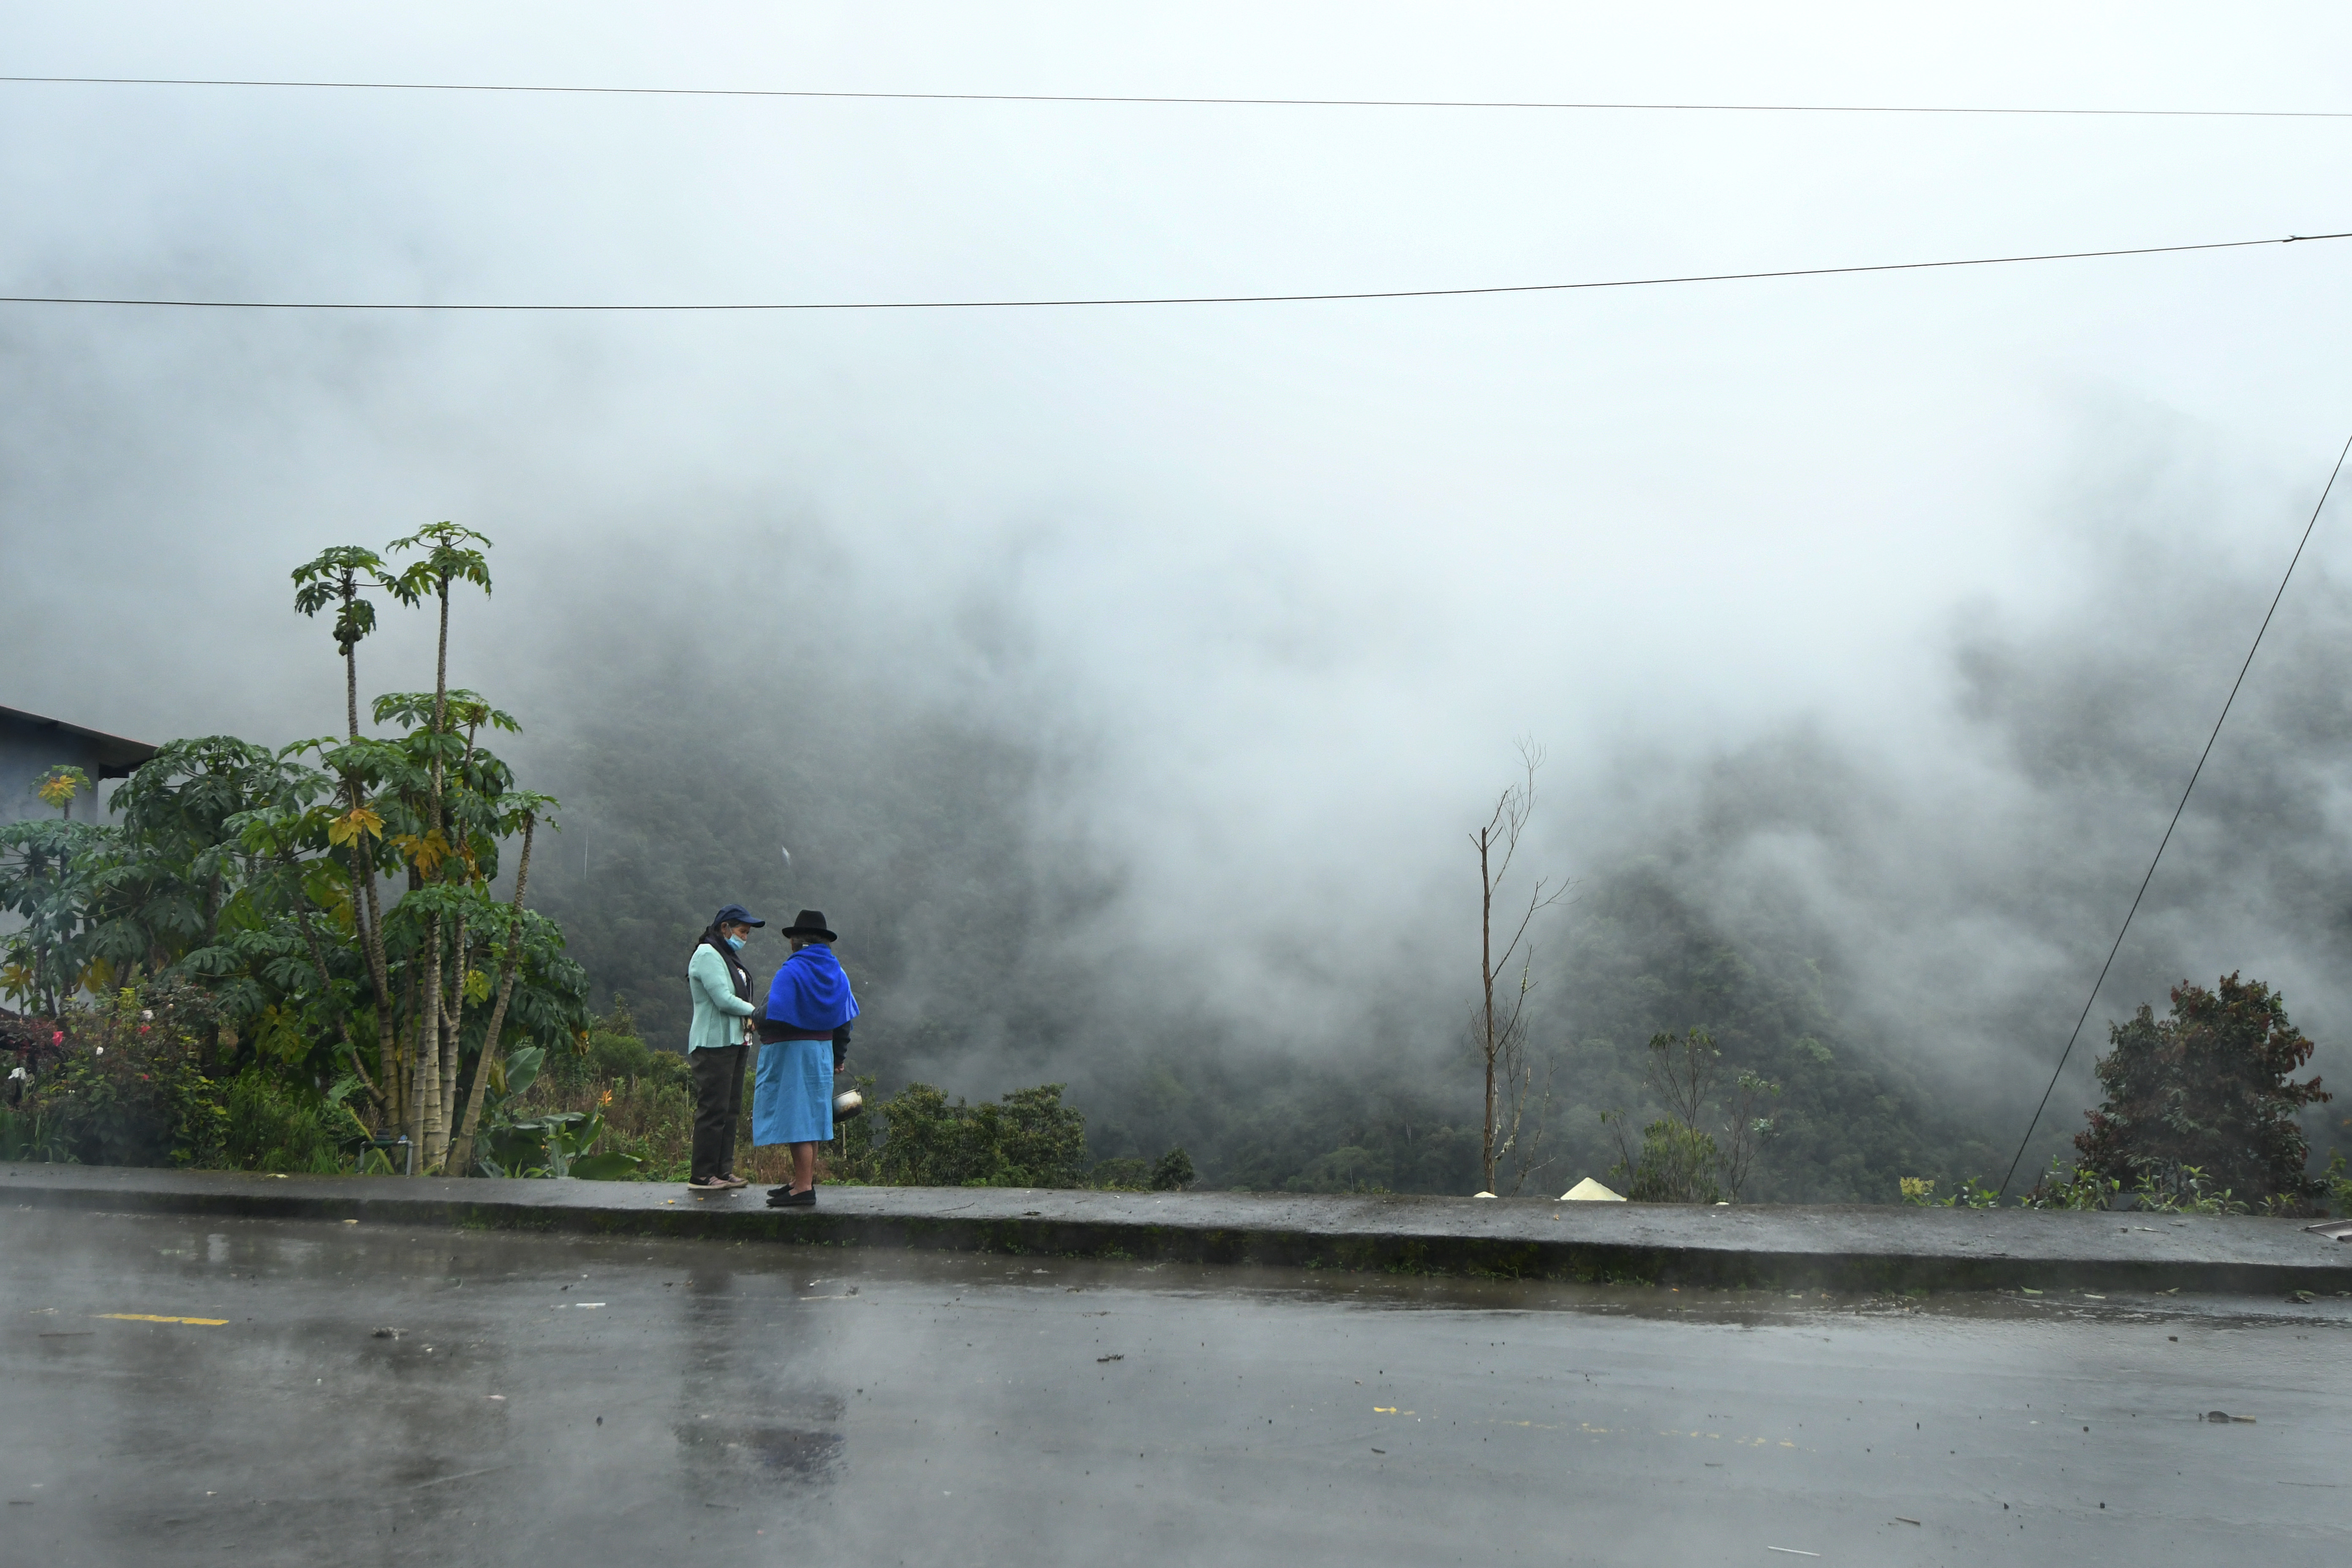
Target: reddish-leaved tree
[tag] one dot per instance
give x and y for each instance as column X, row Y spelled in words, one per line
column 2212, row 1086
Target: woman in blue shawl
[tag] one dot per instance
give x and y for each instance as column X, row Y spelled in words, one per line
column 803, row 1035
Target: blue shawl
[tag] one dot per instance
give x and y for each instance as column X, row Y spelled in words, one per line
column 809, row 992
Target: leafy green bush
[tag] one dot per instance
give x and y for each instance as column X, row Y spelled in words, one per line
column 1919, row 1191
column 275, row 1126
column 1028, row 1139
column 613, row 1053
column 1974, row 1193
column 1125, row 1175
column 2163, row 1187
column 123, row 1082
column 1679, row 1159
column 2065, row 1186
column 613, row 1109
column 26, row 1135
column 1676, row 1165
column 1133, row 1174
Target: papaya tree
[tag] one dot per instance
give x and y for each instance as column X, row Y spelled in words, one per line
column 44, row 881
column 333, row 899
column 449, row 558
column 337, row 577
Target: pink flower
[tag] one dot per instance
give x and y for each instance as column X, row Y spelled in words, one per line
column 59, row 1039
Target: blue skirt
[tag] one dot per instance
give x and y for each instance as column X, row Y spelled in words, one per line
column 792, row 1101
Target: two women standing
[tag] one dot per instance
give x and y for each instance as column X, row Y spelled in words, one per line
column 804, row 1034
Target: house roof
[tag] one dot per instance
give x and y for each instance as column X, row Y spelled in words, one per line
column 115, row 756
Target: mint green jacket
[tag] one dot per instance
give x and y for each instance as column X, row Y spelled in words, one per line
column 716, row 1008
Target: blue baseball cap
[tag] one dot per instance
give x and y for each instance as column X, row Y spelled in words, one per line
column 736, row 914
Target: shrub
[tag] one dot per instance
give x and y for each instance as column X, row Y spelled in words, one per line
column 275, row 1126
column 2208, row 1090
column 1679, row 1159
column 1173, row 1172
column 1028, row 1139
column 615, row 1053
column 1676, row 1165
column 1041, row 1142
column 1132, row 1173
column 26, row 1135
column 122, row 1082
column 1126, row 1174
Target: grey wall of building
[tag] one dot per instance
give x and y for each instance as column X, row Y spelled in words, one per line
column 31, row 745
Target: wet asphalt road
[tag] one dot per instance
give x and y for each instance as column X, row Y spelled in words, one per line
column 381, row 1395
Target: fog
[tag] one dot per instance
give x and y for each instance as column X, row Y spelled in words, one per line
column 1145, row 668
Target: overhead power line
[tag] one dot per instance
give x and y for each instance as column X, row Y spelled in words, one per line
column 2194, row 774
column 1167, row 299
column 1233, row 102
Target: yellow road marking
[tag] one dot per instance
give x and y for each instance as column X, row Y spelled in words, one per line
column 151, row 1318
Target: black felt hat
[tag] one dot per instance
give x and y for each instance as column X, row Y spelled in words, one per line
column 810, row 923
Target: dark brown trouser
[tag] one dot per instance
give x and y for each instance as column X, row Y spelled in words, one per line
column 718, row 1107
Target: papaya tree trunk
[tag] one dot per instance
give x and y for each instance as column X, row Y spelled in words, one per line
column 453, row 1019
column 426, row 1074
column 367, row 917
column 428, row 1058
column 351, row 691
column 387, row 1044
column 461, row 1148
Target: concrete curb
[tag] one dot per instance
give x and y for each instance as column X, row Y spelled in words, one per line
column 1847, row 1249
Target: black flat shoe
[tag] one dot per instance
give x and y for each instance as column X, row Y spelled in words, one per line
column 791, row 1200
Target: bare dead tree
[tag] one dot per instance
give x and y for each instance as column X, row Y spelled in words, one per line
column 1682, row 1073
column 1745, row 1129
column 1514, row 1108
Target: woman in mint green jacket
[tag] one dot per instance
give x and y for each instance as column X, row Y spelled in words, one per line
column 720, row 989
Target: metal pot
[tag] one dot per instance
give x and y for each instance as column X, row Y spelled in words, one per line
column 848, row 1105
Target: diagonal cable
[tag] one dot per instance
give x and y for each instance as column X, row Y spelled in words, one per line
column 2088, row 1001
column 1179, row 299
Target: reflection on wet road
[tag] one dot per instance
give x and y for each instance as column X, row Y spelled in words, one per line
column 249, row 1392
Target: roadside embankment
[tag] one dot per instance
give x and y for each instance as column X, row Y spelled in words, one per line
column 1860, row 1249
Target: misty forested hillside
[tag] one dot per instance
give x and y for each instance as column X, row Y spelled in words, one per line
column 1896, row 930
column 970, row 939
